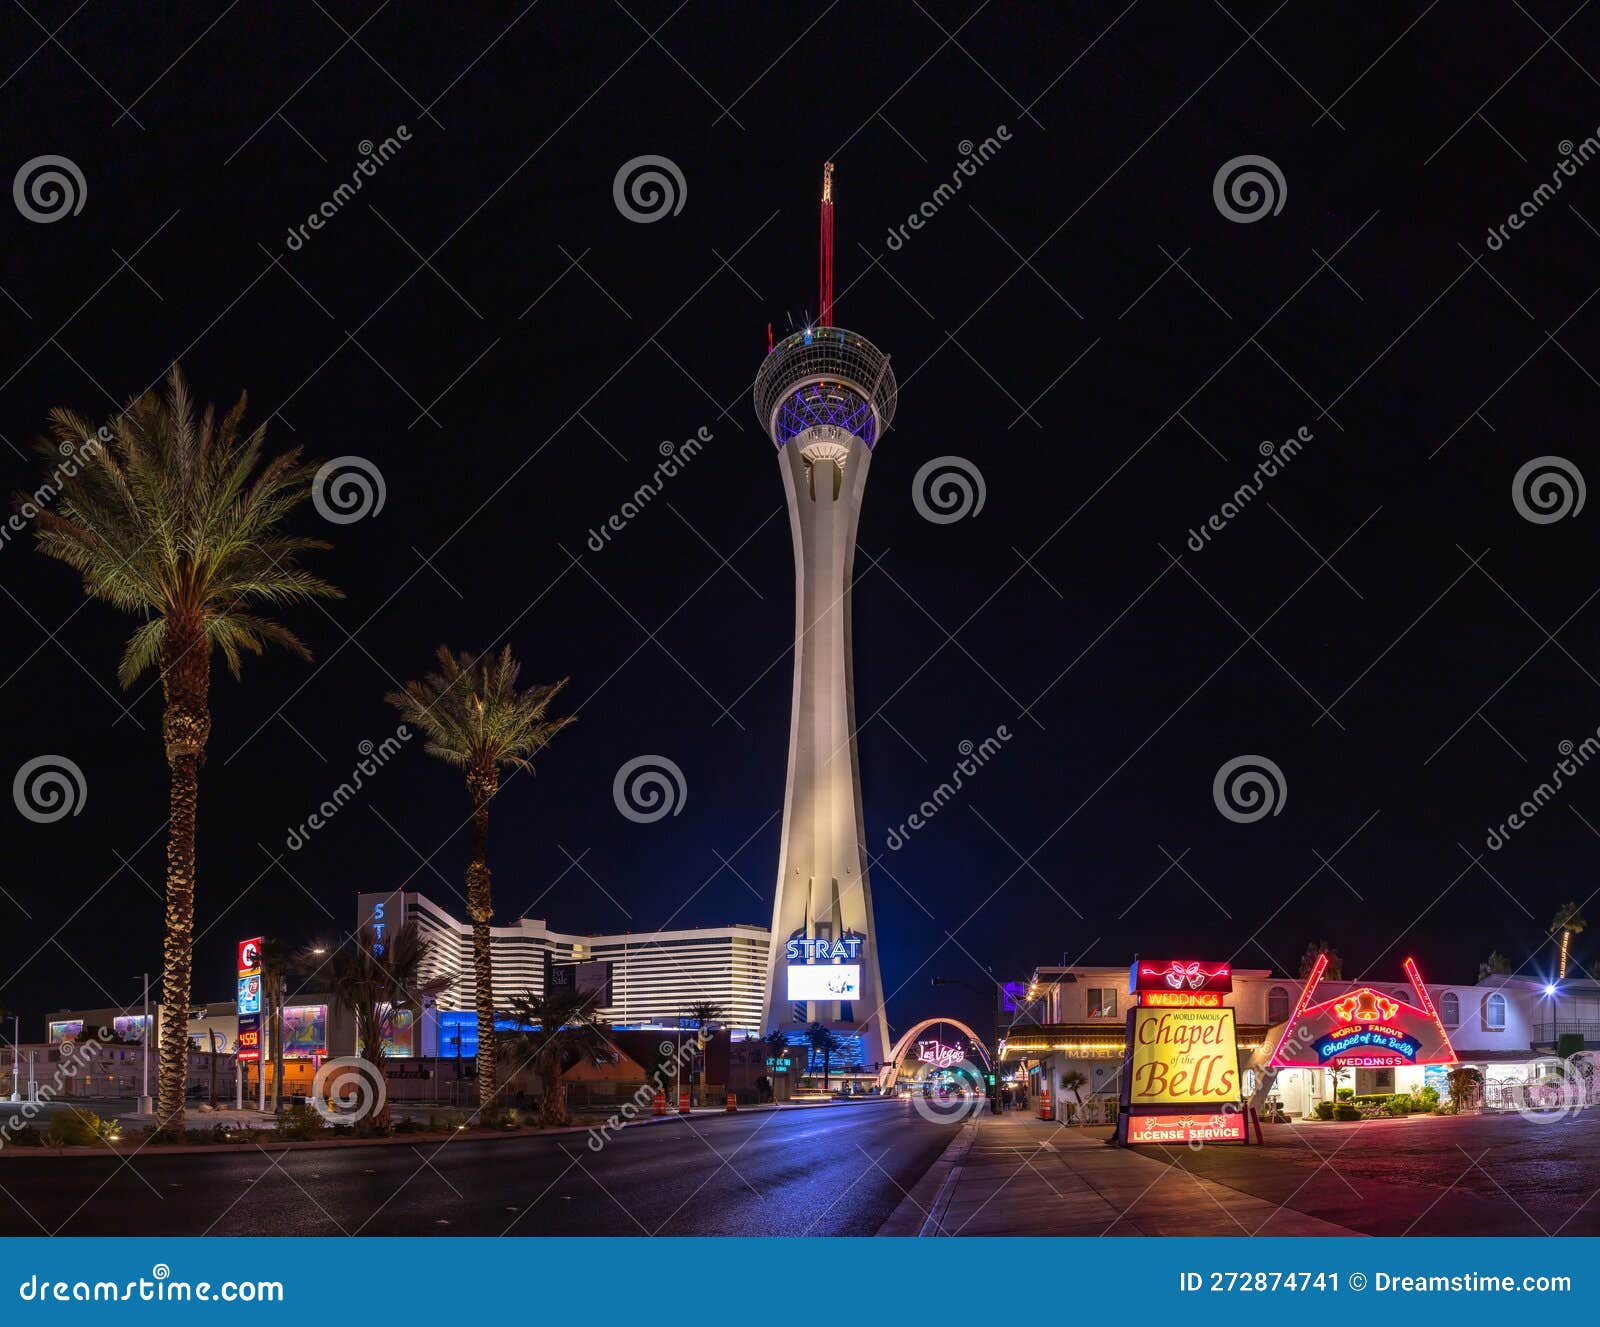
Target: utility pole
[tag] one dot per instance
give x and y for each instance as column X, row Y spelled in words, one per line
column 146, row 1106
column 16, row 1053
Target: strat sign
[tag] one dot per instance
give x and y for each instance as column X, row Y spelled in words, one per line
column 938, row 1054
column 1183, row 1057
column 822, row 951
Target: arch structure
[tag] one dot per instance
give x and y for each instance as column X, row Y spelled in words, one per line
column 890, row 1074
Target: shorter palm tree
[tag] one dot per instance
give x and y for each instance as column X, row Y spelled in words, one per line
column 1074, row 1081
column 1308, row 960
column 1496, row 965
column 825, row 1041
column 374, row 986
column 1567, row 923
column 550, row 1030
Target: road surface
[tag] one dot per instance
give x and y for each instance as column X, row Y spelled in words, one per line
column 834, row 1170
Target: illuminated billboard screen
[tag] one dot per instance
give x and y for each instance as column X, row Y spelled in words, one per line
column 129, row 1027
column 824, row 981
column 305, row 1031
column 250, row 994
column 70, row 1029
column 397, row 1034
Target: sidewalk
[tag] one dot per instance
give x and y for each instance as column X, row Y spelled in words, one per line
column 1015, row 1175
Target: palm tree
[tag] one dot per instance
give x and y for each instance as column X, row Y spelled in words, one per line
column 476, row 720
column 275, row 962
column 374, row 987
column 550, row 1029
column 1074, row 1081
column 820, row 1037
column 1567, row 923
column 180, row 521
column 1496, row 965
column 1308, row 960
column 703, row 1014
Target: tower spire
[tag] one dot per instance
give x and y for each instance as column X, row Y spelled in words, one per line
column 825, row 300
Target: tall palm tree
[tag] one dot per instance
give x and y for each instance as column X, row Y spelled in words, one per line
column 476, row 719
column 550, row 1029
column 180, row 521
column 820, row 1037
column 1567, row 923
column 703, row 1014
column 1308, row 960
column 1496, row 965
column 373, row 987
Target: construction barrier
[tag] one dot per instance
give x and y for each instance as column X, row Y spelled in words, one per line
column 1046, row 1108
column 733, row 1102
column 683, row 1103
column 659, row 1106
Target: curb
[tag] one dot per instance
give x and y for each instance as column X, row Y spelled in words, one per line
column 919, row 1211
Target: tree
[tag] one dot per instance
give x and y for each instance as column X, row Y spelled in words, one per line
column 373, row 987
column 1465, row 1084
column 1567, row 923
column 1308, row 960
column 822, row 1039
column 275, row 963
column 476, row 719
column 180, row 522
column 1496, row 965
column 552, row 1029
column 703, row 1014
column 1073, row 1081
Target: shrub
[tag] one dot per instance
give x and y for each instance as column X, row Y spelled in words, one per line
column 1569, row 1044
column 446, row 1121
column 26, row 1136
column 1347, row 1110
column 409, row 1126
column 1397, row 1104
column 300, row 1124
column 78, row 1128
column 1324, row 1110
column 1425, row 1099
column 1347, row 1094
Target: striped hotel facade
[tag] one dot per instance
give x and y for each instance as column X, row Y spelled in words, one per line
column 656, row 976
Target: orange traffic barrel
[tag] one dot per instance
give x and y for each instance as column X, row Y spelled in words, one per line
column 683, row 1103
column 659, row 1106
column 733, row 1102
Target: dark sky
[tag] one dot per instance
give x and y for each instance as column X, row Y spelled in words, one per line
column 1081, row 323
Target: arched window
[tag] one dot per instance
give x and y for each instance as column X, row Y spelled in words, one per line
column 1450, row 1009
column 1277, row 1005
column 1494, row 1012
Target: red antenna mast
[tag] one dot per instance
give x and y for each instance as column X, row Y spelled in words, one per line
column 825, row 303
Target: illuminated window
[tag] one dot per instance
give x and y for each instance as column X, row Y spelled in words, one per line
column 1277, row 1005
column 1494, row 1012
column 1450, row 1009
column 1102, row 1001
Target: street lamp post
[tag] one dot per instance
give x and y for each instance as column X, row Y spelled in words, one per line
column 16, row 1053
column 146, row 1105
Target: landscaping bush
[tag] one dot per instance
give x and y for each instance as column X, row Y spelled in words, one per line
column 26, row 1136
column 78, row 1128
column 1425, row 1099
column 300, row 1124
column 1324, row 1110
column 409, row 1126
column 1347, row 1094
column 1346, row 1110
column 445, row 1121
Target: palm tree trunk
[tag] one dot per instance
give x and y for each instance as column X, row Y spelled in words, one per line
column 277, row 1042
column 482, row 785
column 185, row 725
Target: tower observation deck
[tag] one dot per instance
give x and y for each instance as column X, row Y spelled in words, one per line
column 826, row 397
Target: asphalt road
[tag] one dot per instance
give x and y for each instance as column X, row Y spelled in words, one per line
column 836, row 1170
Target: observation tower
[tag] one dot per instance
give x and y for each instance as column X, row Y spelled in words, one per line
column 825, row 396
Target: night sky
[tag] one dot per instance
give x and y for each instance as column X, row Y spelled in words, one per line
column 1081, row 323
